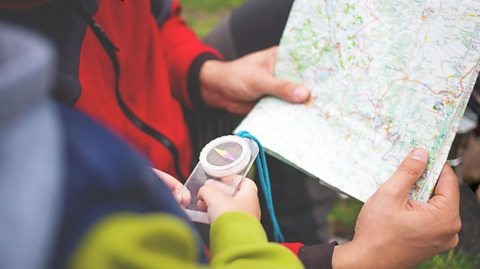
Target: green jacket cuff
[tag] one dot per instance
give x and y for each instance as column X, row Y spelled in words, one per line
column 234, row 229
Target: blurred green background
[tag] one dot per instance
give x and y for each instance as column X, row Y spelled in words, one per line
column 202, row 16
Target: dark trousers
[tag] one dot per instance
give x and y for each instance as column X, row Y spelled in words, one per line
column 301, row 203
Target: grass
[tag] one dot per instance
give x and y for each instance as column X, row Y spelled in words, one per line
column 203, row 15
column 343, row 217
column 451, row 260
column 211, row 6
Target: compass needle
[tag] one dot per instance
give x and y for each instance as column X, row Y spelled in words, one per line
column 228, row 156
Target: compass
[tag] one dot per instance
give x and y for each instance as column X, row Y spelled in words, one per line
column 225, row 156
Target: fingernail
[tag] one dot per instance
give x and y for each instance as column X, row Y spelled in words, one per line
column 419, row 155
column 301, row 94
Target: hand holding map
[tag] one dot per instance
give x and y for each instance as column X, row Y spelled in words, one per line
column 386, row 77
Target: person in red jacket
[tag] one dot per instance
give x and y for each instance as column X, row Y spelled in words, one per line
column 161, row 64
column 137, row 68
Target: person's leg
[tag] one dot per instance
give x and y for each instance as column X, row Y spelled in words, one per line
column 300, row 201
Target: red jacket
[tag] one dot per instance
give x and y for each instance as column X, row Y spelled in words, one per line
column 156, row 56
column 153, row 91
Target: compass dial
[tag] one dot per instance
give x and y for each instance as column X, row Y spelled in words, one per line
column 225, row 156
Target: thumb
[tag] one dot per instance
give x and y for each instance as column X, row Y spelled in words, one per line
column 283, row 89
column 247, row 188
column 213, row 193
column 409, row 171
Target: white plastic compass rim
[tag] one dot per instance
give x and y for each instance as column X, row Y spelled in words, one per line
column 230, row 169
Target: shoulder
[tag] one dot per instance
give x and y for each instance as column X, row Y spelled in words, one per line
column 100, row 167
column 94, row 148
column 103, row 176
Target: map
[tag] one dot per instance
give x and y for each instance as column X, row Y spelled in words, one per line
column 386, row 77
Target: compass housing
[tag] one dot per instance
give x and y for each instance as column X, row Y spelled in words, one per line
column 225, row 156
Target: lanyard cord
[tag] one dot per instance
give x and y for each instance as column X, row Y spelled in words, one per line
column 265, row 184
column 111, row 51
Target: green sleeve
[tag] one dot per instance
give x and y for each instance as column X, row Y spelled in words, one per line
column 161, row 241
column 237, row 240
column 131, row 240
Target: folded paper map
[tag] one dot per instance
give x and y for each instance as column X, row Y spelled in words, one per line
column 386, row 77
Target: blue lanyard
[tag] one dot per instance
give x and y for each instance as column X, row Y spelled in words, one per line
column 265, row 184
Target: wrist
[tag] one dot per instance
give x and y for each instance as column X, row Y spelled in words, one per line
column 351, row 255
column 210, row 84
column 194, row 86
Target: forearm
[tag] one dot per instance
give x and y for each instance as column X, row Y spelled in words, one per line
column 196, row 80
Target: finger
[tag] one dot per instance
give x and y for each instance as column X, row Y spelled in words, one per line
column 283, row 89
column 453, row 242
column 201, row 205
column 211, row 195
column 233, row 180
column 180, row 193
column 184, row 196
column 229, row 179
column 409, row 171
column 447, row 189
column 171, row 182
column 247, row 185
column 247, row 190
column 226, row 188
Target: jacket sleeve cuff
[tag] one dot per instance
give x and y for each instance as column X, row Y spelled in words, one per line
column 293, row 247
column 317, row 256
column 234, row 229
column 193, row 84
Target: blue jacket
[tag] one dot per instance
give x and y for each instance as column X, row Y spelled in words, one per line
column 103, row 175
